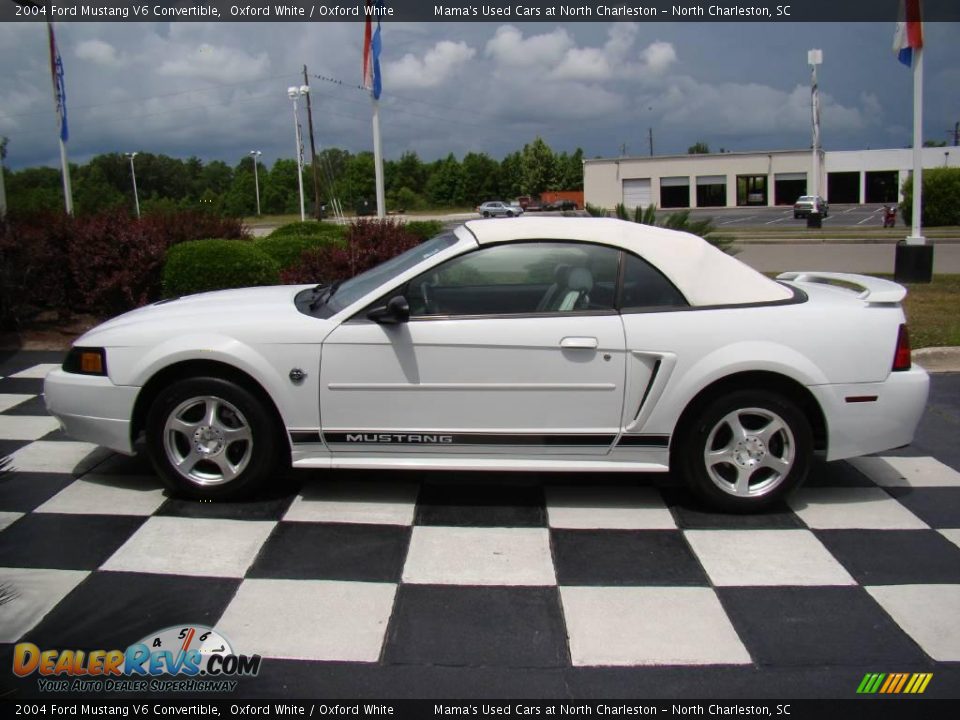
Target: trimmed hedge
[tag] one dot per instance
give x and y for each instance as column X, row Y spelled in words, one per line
column 310, row 228
column 202, row 265
column 287, row 249
column 941, row 198
column 424, row 229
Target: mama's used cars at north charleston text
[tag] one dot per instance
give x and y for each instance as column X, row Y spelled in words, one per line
column 547, row 344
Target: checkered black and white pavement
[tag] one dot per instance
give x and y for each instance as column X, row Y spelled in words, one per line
column 452, row 584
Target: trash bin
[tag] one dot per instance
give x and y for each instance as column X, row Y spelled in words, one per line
column 365, row 207
column 814, row 220
column 913, row 263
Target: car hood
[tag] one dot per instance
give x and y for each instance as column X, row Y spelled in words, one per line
column 267, row 313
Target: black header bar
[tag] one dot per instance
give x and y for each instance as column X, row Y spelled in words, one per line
column 517, row 11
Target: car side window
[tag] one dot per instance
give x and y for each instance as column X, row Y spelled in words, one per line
column 645, row 287
column 519, row 279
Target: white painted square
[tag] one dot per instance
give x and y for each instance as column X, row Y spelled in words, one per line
column 37, row 372
column 907, row 471
column 852, row 508
column 33, row 593
column 649, row 626
column 309, row 619
column 766, row 557
column 26, row 427
column 479, row 556
column 608, row 508
column 356, row 502
column 9, row 518
column 927, row 613
column 191, row 546
column 9, row 400
column 952, row 535
column 107, row 495
column 50, row 456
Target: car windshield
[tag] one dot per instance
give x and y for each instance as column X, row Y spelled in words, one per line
column 355, row 288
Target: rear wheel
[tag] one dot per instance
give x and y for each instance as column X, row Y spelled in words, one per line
column 211, row 439
column 746, row 450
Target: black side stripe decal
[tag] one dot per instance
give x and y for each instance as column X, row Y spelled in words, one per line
column 652, row 441
column 459, row 438
column 301, row 436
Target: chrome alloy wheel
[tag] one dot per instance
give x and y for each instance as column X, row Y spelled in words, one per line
column 749, row 452
column 207, row 440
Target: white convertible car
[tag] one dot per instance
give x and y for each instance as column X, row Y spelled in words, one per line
column 545, row 344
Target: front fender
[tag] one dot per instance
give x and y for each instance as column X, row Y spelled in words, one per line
column 267, row 365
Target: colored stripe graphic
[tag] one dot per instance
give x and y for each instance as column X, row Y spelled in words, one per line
column 894, row 683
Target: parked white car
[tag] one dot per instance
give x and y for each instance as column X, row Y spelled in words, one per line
column 493, row 208
column 544, row 344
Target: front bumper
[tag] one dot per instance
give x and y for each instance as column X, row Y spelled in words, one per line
column 91, row 408
column 861, row 427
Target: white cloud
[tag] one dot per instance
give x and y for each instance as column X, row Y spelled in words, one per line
column 438, row 64
column 98, row 52
column 658, row 56
column 508, row 47
column 215, row 63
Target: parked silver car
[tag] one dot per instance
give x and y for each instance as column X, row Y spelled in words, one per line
column 807, row 204
column 492, row 208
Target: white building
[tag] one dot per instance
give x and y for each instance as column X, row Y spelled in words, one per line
column 753, row 178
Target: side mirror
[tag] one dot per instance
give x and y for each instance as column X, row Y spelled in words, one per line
column 397, row 310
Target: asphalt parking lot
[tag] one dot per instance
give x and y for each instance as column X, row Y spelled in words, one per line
column 840, row 216
column 443, row 585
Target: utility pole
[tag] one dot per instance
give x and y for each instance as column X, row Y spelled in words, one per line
column 3, row 192
column 313, row 153
column 956, row 133
column 650, row 137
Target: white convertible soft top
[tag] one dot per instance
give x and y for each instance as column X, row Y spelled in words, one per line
column 704, row 274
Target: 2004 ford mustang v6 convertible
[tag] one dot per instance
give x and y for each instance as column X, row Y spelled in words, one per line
column 549, row 344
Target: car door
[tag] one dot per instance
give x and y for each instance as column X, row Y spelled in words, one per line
column 513, row 349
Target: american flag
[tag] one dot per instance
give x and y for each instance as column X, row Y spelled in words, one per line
column 909, row 34
column 371, row 49
column 59, row 91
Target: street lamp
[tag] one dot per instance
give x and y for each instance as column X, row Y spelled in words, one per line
column 255, row 154
column 814, row 58
column 294, row 92
column 133, row 174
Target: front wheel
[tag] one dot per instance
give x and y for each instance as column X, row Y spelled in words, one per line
column 745, row 451
column 211, row 439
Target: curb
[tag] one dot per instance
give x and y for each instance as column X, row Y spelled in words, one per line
column 937, row 359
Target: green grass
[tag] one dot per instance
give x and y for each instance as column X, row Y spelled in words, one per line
column 932, row 312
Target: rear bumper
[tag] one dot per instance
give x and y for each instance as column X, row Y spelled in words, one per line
column 859, row 425
column 92, row 409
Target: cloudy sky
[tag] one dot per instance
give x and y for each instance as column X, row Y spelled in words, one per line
column 219, row 90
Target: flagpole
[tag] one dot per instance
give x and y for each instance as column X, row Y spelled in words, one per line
column 916, row 231
column 67, row 190
column 378, row 159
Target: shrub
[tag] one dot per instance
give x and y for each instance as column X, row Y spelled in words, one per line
column 595, row 210
column 424, row 229
column 287, row 243
column 102, row 264
column 309, row 228
column 941, row 198
column 369, row 242
column 202, row 265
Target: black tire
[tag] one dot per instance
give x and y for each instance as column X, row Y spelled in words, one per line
column 212, row 451
column 759, row 414
column 486, row 214
column 509, row 214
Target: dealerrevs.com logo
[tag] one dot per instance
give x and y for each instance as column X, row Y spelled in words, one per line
column 182, row 658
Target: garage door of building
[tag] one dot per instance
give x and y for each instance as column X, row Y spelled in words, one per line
column 787, row 187
column 636, row 193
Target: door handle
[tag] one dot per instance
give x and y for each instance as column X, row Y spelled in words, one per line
column 579, row 343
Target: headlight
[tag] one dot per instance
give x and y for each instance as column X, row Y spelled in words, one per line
column 86, row 361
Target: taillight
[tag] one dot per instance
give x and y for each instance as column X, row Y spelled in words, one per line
column 901, row 358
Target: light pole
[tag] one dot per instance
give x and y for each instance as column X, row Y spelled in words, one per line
column 255, row 154
column 294, row 92
column 133, row 174
column 814, row 58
